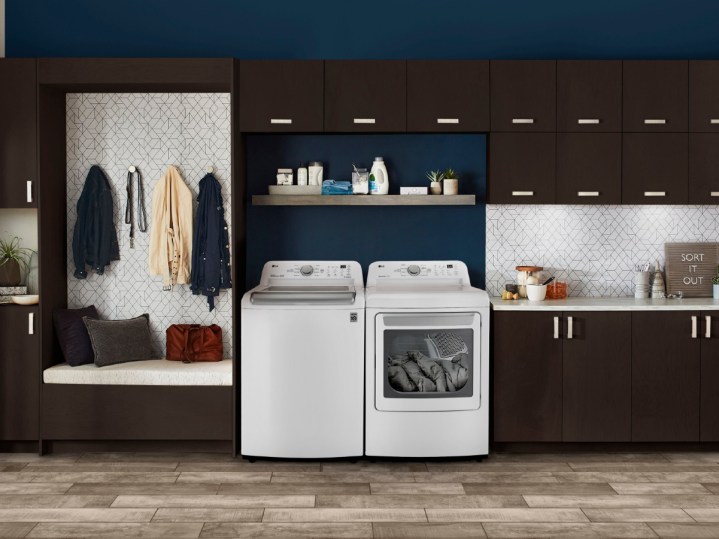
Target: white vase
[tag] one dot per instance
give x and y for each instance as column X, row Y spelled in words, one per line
column 451, row 186
column 715, row 289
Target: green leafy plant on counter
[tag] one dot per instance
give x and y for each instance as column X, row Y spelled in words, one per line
column 450, row 174
column 435, row 176
column 11, row 250
column 715, row 279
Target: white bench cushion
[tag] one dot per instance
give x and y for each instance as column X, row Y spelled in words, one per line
column 155, row 372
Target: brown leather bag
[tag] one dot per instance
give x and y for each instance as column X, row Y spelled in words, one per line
column 193, row 342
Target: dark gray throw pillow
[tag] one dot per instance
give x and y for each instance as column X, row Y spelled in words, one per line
column 120, row 341
column 72, row 334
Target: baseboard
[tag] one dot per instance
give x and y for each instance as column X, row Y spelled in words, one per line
column 150, row 446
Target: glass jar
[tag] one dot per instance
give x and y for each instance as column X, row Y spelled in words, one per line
column 527, row 275
column 557, row 290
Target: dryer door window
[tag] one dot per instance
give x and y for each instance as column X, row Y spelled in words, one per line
column 427, row 361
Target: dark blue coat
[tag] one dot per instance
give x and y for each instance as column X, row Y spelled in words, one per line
column 211, row 243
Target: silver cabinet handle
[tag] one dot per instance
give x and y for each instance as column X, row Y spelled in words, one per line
column 570, row 327
column 708, row 333
column 285, row 121
column 714, row 193
column 447, row 120
column 655, row 193
column 556, row 327
column 29, row 191
column 587, row 193
column 655, row 121
column 364, row 120
column 588, row 121
column 714, row 121
column 522, row 193
column 31, row 324
column 694, row 327
column 522, row 120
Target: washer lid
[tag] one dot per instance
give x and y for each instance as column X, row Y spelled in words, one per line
column 304, row 295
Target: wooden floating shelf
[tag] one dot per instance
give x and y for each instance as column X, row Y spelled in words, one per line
column 363, row 200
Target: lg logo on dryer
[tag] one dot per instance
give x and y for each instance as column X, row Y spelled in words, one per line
column 353, row 317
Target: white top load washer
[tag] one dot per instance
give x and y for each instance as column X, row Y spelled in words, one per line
column 302, row 364
column 427, row 361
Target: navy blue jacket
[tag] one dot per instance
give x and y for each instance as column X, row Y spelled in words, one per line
column 94, row 240
column 211, row 243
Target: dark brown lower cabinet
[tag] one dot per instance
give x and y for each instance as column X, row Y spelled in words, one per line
column 654, row 168
column 527, row 365
column 597, row 377
column 589, row 168
column 710, row 376
column 19, row 373
column 666, row 370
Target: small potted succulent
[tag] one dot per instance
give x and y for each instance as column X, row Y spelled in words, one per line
column 451, row 183
column 435, row 178
column 715, row 285
column 14, row 261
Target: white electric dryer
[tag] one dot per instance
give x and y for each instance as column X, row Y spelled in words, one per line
column 302, row 365
column 427, row 361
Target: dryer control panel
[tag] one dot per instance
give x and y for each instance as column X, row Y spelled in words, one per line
column 304, row 271
column 424, row 271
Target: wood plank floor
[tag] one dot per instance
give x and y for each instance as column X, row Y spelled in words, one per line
column 101, row 495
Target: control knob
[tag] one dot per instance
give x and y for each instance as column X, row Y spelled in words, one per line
column 306, row 270
column 414, row 270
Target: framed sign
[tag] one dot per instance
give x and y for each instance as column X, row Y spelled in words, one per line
column 690, row 268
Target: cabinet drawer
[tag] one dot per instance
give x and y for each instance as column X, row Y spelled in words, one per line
column 703, row 96
column 281, row 96
column 589, row 95
column 521, row 168
column 655, row 96
column 523, row 95
column 365, row 95
column 703, row 168
column 654, row 168
column 448, row 96
column 589, row 168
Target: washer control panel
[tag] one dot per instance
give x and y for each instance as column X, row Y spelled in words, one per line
column 421, row 271
column 309, row 271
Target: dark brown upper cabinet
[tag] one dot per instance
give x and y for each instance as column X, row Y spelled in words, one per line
column 281, row 96
column 703, row 96
column 448, row 96
column 654, row 168
column 18, row 133
column 589, row 96
column 655, row 95
column 589, row 168
column 703, row 168
column 522, row 168
column 523, row 95
column 365, row 95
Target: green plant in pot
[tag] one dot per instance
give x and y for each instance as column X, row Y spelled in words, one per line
column 451, row 182
column 14, row 261
column 715, row 285
column 435, row 178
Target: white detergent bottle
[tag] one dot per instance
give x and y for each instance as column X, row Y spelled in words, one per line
column 378, row 179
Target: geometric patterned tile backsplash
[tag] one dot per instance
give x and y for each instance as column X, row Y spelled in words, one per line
column 150, row 131
column 592, row 248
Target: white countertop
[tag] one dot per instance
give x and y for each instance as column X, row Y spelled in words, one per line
column 607, row 304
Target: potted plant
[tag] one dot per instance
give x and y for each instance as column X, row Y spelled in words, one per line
column 435, row 178
column 715, row 285
column 451, row 183
column 14, row 261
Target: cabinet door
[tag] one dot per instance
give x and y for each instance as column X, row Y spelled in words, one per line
column 654, row 168
column 665, row 376
column 281, row 96
column 703, row 92
column 523, row 95
column 656, row 95
column 18, row 133
column 19, row 373
column 589, row 168
column 365, row 95
column 589, row 95
column 527, row 389
column 710, row 376
column 597, row 377
column 522, row 168
column 703, row 168
column 448, row 95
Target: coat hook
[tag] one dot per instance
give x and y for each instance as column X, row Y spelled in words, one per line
column 132, row 169
column 210, row 169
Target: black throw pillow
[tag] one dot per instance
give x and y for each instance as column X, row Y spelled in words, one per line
column 72, row 334
column 120, row 341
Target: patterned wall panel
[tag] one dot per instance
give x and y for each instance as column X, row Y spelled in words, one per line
column 150, row 131
column 593, row 248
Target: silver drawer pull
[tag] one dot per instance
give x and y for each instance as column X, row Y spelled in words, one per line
column 588, row 121
column 29, row 191
column 655, row 121
column 522, row 120
column 522, row 193
column 570, row 327
column 714, row 193
column 284, row 121
column 714, row 121
column 708, row 333
column 364, row 120
column 587, row 193
column 31, row 324
column 447, row 120
column 556, row 327
column 694, row 327
column 655, row 193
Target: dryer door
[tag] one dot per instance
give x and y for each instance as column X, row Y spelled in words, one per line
column 427, row 362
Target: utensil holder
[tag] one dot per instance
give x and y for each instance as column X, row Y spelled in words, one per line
column 641, row 284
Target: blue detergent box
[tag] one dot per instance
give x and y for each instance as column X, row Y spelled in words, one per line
column 333, row 187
